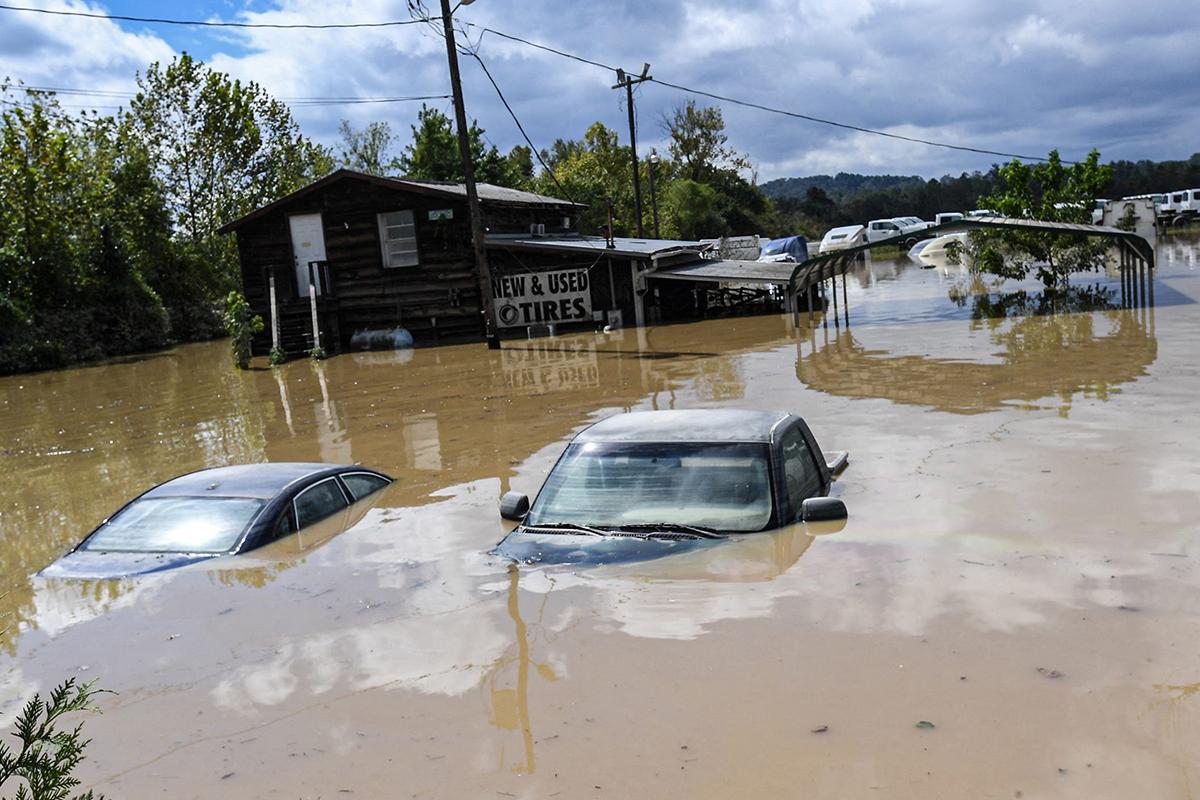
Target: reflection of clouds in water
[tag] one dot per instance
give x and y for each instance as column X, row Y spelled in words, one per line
column 855, row 587
column 446, row 633
column 62, row 603
column 445, row 654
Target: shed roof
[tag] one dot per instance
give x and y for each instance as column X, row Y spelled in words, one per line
column 728, row 271
column 488, row 194
column 686, row 425
column 623, row 246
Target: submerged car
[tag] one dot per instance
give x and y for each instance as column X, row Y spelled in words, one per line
column 215, row 512
column 647, row 484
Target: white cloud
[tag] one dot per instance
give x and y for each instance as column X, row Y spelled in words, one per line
column 1023, row 77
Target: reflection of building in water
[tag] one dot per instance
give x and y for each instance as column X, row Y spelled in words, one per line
column 422, row 448
column 1044, row 355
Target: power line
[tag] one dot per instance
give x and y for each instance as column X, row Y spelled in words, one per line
column 770, row 109
column 296, row 101
column 548, row 49
column 213, row 23
column 536, row 153
column 847, row 126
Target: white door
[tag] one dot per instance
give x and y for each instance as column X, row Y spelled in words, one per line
column 308, row 244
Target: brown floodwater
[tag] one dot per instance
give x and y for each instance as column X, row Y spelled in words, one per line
column 1019, row 568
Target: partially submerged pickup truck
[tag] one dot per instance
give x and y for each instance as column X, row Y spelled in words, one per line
column 646, row 484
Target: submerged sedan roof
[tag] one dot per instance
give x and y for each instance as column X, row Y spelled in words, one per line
column 243, row 480
column 694, row 425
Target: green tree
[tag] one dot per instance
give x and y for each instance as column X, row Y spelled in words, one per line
column 220, row 148
column 693, row 204
column 433, row 153
column 366, row 150
column 71, row 245
column 699, row 142
column 1048, row 191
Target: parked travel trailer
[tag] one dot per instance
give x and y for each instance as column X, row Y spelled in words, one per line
column 947, row 216
column 843, row 238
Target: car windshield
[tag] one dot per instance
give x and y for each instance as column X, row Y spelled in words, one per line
column 725, row 487
column 177, row 525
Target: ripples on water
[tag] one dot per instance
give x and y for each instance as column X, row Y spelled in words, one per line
column 1017, row 482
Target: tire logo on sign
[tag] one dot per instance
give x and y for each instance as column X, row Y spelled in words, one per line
column 508, row 313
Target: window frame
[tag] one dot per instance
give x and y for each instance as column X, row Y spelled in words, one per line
column 296, row 510
column 794, row 508
column 384, row 241
column 346, row 487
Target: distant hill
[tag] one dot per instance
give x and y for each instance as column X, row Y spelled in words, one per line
column 840, row 187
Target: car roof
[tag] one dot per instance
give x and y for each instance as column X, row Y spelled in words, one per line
column 245, row 480
column 694, row 425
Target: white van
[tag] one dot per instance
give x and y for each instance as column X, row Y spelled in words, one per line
column 947, row 216
column 843, row 238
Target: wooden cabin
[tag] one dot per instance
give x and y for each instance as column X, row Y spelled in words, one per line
column 378, row 253
column 382, row 253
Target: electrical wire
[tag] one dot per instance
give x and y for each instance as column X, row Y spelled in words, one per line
column 214, row 23
column 770, row 109
column 548, row 49
column 296, row 101
column 536, row 153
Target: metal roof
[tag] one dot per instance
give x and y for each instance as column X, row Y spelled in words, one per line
column 242, row 480
column 623, row 246
column 726, row 271
column 692, row 425
column 821, row 267
column 488, row 194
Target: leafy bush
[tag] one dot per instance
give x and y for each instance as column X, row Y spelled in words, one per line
column 241, row 323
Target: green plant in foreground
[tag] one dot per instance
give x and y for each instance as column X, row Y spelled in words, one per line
column 317, row 353
column 48, row 755
column 241, row 323
column 277, row 356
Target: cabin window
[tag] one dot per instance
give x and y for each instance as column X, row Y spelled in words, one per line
column 398, row 238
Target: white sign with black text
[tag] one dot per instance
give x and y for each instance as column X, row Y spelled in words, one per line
column 541, row 298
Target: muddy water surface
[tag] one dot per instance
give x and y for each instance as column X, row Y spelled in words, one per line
column 1019, row 569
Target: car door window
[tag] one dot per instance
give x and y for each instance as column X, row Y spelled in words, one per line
column 799, row 469
column 284, row 525
column 318, row 502
column 362, row 484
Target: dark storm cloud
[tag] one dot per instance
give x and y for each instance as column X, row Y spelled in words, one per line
column 1022, row 76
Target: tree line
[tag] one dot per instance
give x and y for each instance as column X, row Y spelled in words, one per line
column 814, row 204
column 108, row 223
column 700, row 183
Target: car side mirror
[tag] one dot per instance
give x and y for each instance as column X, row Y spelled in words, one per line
column 817, row 509
column 514, row 506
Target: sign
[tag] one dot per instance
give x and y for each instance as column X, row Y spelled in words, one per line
column 549, row 366
column 438, row 214
column 541, row 298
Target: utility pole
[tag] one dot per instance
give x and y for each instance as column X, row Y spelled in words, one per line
column 483, row 273
column 628, row 81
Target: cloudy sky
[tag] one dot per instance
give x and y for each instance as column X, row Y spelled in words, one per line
column 1020, row 76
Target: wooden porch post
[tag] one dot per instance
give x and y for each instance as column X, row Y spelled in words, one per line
column 312, row 302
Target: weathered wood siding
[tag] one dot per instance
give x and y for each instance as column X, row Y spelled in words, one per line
column 436, row 300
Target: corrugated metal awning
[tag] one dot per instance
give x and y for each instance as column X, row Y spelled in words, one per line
column 725, row 271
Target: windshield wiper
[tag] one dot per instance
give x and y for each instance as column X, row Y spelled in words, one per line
column 670, row 527
column 565, row 526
